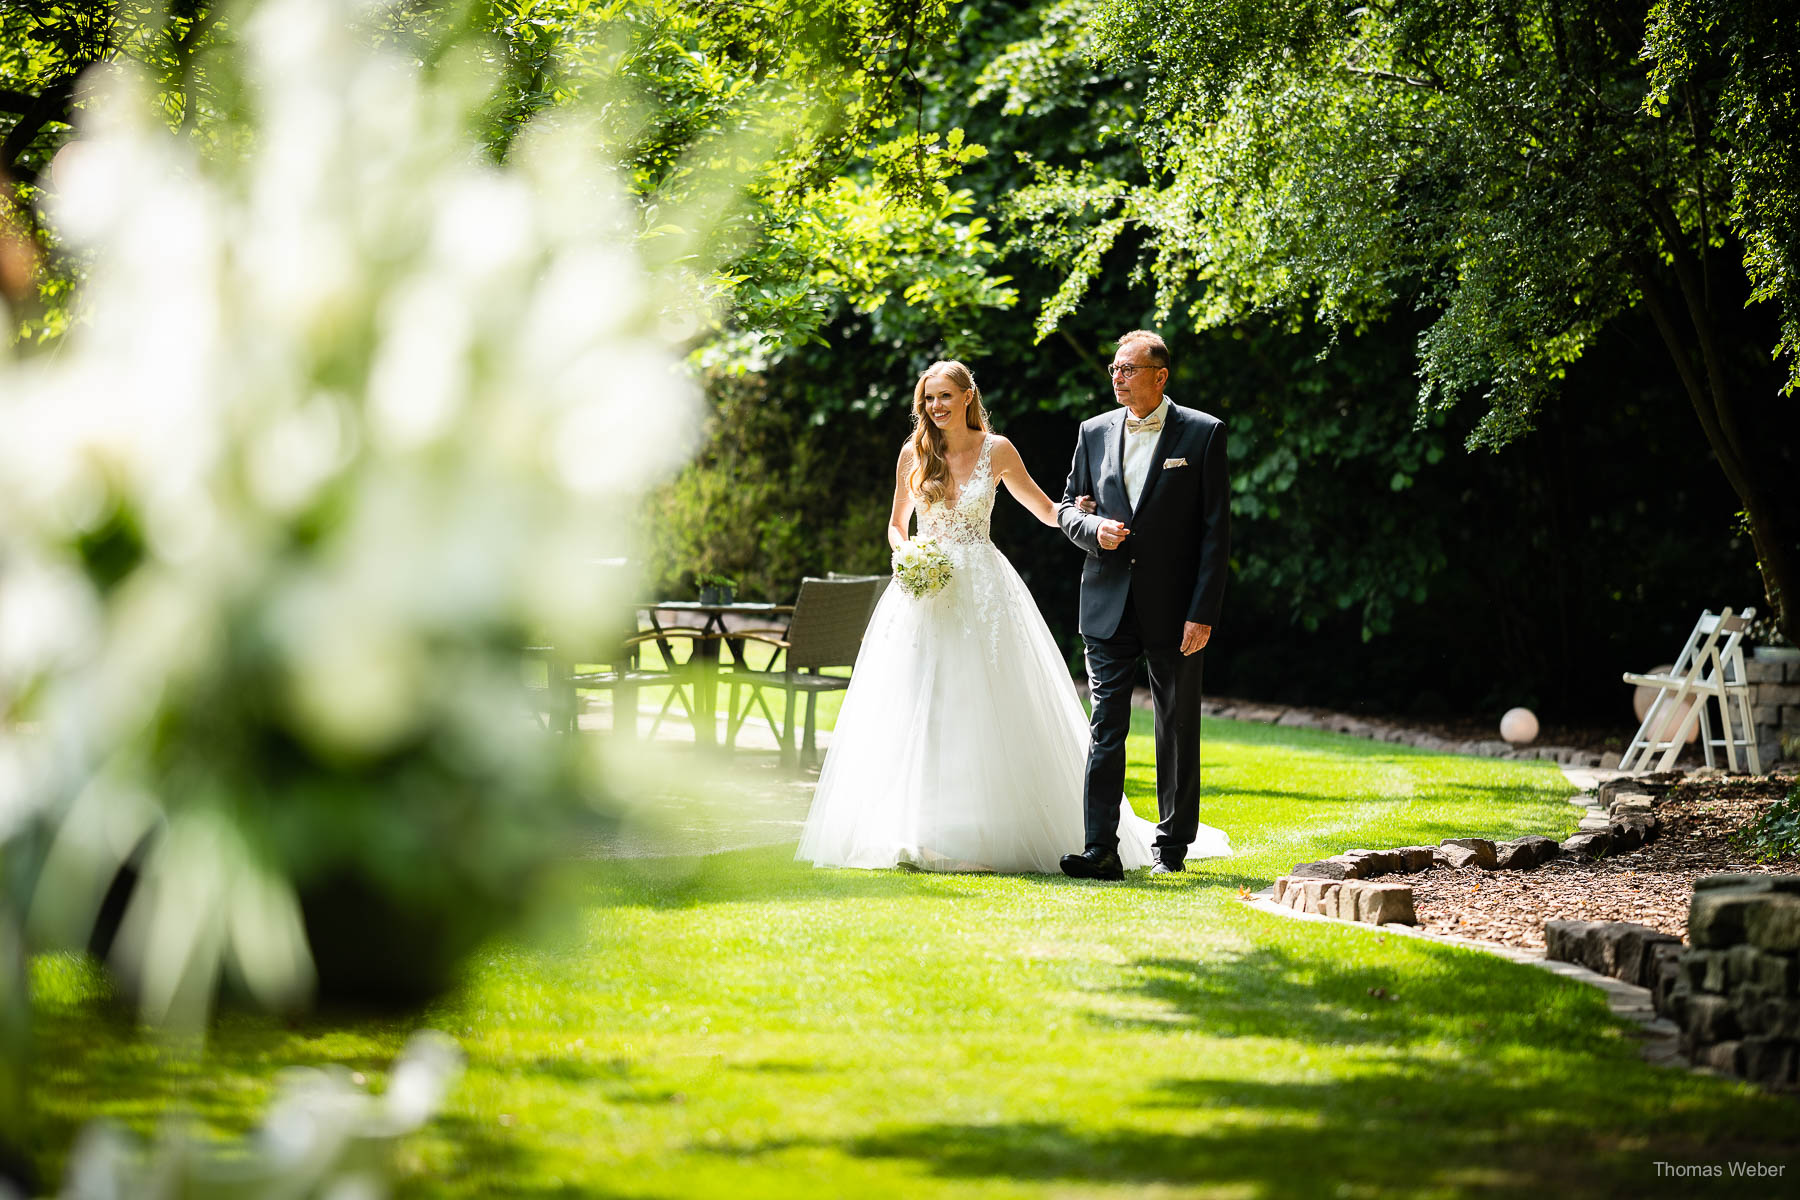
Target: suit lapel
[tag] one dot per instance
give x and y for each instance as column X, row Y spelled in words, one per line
column 1164, row 441
column 1115, row 458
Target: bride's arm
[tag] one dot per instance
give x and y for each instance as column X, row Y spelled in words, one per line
column 903, row 500
column 1011, row 468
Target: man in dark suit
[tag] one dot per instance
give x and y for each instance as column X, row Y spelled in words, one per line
column 1157, row 544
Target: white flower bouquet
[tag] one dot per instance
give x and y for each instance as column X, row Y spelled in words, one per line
column 922, row 568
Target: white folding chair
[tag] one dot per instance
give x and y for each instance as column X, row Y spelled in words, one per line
column 1709, row 668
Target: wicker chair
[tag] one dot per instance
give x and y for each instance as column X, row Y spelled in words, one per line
column 826, row 631
column 885, row 580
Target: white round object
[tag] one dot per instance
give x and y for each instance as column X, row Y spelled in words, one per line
column 1519, row 726
column 1643, row 697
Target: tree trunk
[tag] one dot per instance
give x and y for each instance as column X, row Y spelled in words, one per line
column 1756, row 438
column 1775, row 532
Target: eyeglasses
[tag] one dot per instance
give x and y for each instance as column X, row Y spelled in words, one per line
column 1129, row 369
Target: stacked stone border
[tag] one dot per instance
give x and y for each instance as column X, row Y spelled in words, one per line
column 1619, row 949
column 1774, row 678
column 1731, row 996
column 1727, row 1004
column 1735, row 989
column 1619, row 818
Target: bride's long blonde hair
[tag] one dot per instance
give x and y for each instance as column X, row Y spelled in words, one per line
column 930, row 478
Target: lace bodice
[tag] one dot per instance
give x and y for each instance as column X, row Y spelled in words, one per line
column 966, row 521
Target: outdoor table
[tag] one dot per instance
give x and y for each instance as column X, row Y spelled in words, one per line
column 715, row 621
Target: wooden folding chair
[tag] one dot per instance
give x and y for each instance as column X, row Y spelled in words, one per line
column 1710, row 668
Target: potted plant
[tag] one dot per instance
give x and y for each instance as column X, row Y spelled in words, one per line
column 715, row 588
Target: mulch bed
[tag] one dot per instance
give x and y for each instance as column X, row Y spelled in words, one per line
column 1650, row 886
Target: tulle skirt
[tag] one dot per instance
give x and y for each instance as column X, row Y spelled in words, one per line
column 961, row 744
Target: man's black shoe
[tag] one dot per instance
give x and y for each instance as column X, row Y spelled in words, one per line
column 1093, row 864
column 1159, row 867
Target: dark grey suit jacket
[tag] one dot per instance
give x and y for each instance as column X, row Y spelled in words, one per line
column 1174, row 564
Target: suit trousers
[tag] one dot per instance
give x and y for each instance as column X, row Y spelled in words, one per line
column 1175, row 692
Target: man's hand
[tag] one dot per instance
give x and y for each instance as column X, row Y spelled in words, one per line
column 1112, row 535
column 1194, row 637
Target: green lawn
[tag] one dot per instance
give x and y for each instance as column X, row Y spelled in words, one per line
column 741, row 1026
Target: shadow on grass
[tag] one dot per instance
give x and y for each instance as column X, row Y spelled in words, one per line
column 1202, row 873
column 1476, row 1078
column 748, row 877
column 1274, row 992
column 486, row 1160
column 1454, row 790
column 762, row 875
column 775, row 1066
column 1407, row 1129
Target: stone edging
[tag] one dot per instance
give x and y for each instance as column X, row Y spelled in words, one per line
column 1618, row 817
column 1728, row 1005
column 1662, row 1037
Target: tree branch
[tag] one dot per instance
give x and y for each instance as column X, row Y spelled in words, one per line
column 52, row 104
column 1692, row 279
column 185, row 48
column 1687, row 95
column 1408, row 80
column 1730, row 461
column 1088, row 356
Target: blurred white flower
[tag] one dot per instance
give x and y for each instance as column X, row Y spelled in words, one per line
column 351, row 416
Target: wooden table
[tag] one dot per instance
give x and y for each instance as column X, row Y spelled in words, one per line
column 714, row 621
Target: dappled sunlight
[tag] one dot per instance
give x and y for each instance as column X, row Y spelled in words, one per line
column 756, row 1021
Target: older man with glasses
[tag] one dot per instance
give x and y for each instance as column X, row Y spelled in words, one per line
column 1157, row 536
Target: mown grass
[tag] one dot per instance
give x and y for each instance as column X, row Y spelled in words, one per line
column 739, row 1025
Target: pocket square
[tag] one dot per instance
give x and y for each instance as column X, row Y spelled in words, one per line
column 1174, row 462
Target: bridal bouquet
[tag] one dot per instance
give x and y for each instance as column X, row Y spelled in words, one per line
column 922, row 568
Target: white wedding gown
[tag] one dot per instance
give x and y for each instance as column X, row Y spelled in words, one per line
column 961, row 744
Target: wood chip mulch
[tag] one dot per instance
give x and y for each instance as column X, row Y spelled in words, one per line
column 1650, row 886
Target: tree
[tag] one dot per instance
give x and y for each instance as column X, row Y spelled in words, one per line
column 46, row 44
column 1523, row 173
column 778, row 151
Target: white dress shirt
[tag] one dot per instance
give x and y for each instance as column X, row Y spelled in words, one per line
column 1140, row 449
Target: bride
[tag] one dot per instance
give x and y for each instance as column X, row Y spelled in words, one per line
column 961, row 744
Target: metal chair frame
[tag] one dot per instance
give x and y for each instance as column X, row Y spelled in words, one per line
column 830, row 616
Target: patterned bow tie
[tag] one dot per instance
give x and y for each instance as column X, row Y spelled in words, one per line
column 1150, row 424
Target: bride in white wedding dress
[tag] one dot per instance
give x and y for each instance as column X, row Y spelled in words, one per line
column 961, row 744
